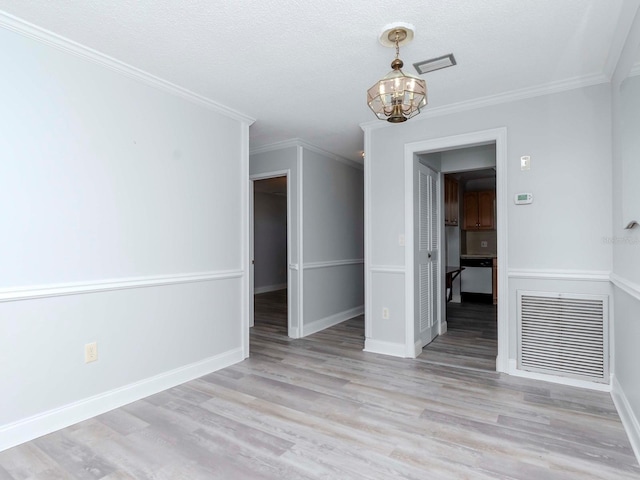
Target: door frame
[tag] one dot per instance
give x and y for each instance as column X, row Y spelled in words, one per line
column 411, row 152
column 253, row 178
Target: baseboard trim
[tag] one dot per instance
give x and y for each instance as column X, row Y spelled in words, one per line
column 294, row 332
column 417, row 348
column 385, row 348
column 627, row 416
column 269, row 288
column 572, row 382
column 36, row 426
column 319, row 325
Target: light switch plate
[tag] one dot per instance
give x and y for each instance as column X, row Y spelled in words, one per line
column 525, row 162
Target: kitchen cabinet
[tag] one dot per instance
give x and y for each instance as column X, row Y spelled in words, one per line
column 479, row 210
column 451, row 203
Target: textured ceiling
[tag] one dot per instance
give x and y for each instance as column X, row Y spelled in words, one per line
column 302, row 68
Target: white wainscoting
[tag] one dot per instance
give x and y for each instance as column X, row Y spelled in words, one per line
column 56, row 419
column 628, row 418
column 26, row 429
column 322, row 323
column 385, row 348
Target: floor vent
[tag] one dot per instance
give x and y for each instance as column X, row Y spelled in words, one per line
column 564, row 335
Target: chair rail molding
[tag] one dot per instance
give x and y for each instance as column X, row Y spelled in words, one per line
column 76, row 288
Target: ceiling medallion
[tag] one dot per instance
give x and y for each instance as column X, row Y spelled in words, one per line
column 398, row 96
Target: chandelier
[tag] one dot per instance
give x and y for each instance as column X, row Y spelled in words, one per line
column 398, row 96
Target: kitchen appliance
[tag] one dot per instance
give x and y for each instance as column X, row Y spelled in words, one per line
column 477, row 275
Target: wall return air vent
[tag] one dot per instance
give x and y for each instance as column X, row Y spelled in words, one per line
column 564, row 335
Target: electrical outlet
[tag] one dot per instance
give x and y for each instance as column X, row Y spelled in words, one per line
column 385, row 313
column 401, row 239
column 483, row 244
column 90, row 352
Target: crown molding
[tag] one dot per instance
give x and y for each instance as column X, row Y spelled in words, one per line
column 51, row 39
column 625, row 22
column 506, row 97
column 297, row 142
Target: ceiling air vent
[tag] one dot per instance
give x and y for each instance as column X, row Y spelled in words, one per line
column 564, row 335
column 435, row 64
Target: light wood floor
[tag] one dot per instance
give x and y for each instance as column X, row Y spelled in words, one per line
column 320, row 407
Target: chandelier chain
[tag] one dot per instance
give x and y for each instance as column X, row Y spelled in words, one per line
column 397, row 45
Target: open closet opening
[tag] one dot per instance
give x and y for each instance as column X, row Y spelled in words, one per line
column 270, row 255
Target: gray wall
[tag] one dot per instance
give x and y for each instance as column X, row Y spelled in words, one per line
column 327, row 233
column 626, row 243
column 333, row 240
column 567, row 136
column 126, row 210
column 270, row 242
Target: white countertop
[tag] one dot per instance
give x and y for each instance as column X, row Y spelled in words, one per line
column 479, row 255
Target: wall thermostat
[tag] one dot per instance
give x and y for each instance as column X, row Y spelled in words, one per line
column 523, row 198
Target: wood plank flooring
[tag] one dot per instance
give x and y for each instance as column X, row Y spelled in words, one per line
column 320, row 407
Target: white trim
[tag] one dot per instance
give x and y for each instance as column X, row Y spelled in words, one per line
column 33, row 427
column 627, row 416
column 269, row 288
column 506, row 97
column 499, row 136
column 60, row 289
column 417, row 348
column 368, row 267
column 385, row 348
column 294, row 266
column 300, row 234
column 572, row 382
column 625, row 285
column 51, row 39
column 575, row 275
column 333, row 263
column 410, row 160
column 388, row 269
column 330, row 321
column 297, row 142
column 246, row 242
column 294, row 332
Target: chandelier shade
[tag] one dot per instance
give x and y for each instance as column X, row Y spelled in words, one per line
column 398, row 96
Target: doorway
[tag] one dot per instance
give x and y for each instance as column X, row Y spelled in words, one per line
column 416, row 153
column 270, row 246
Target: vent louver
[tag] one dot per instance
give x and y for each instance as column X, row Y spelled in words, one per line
column 564, row 334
